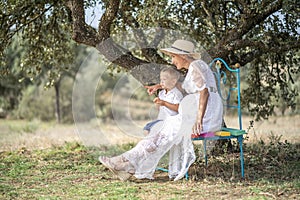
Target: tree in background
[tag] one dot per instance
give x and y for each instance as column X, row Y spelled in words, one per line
column 20, row 79
column 262, row 34
column 14, row 82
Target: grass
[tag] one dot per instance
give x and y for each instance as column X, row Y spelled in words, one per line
column 47, row 161
column 71, row 171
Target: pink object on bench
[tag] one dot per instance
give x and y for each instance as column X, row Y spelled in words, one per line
column 208, row 134
column 205, row 135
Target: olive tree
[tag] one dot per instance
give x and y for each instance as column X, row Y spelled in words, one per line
column 262, row 34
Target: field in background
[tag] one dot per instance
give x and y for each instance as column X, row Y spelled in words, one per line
column 39, row 135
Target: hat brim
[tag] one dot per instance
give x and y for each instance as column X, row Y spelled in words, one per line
column 171, row 50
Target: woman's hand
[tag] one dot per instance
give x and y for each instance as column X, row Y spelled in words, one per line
column 197, row 128
column 153, row 88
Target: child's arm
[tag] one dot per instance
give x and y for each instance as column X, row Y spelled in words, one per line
column 153, row 88
column 171, row 106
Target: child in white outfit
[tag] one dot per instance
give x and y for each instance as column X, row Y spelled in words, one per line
column 168, row 98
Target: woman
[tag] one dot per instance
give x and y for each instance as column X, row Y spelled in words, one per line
column 200, row 111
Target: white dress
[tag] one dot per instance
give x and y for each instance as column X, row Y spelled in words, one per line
column 174, row 133
column 173, row 96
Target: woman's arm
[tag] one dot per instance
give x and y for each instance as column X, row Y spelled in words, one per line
column 171, row 106
column 197, row 128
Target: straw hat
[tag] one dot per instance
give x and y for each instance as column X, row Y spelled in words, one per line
column 182, row 47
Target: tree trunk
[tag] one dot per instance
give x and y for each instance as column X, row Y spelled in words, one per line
column 57, row 102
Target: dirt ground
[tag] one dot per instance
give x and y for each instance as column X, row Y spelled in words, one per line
column 38, row 135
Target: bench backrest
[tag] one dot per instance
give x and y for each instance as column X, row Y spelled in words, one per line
column 228, row 77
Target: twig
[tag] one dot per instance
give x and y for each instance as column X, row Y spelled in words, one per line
column 268, row 194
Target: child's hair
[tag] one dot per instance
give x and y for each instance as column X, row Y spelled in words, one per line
column 172, row 72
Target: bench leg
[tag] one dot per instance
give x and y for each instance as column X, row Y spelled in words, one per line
column 205, row 155
column 187, row 176
column 240, row 140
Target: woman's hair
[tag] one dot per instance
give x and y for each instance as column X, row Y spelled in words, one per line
column 172, row 72
column 187, row 56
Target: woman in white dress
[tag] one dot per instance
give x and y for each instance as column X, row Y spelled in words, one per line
column 200, row 111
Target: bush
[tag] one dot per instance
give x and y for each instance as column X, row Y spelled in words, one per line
column 36, row 103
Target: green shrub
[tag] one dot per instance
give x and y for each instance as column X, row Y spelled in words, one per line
column 36, row 103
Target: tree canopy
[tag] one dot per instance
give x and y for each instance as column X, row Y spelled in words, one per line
column 260, row 34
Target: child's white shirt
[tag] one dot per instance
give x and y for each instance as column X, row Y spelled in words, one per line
column 174, row 96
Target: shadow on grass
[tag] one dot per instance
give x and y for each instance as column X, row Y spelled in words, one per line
column 275, row 161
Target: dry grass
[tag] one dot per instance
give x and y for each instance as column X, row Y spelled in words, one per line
column 38, row 135
column 287, row 126
column 16, row 134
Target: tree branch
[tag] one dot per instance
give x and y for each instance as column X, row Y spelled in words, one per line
column 7, row 22
column 259, row 48
column 107, row 19
column 249, row 20
column 82, row 32
column 210, row 19
column 148, row 50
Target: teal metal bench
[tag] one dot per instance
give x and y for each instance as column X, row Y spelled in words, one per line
column 222, row 71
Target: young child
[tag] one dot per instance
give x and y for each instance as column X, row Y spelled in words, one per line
column 168, row 98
